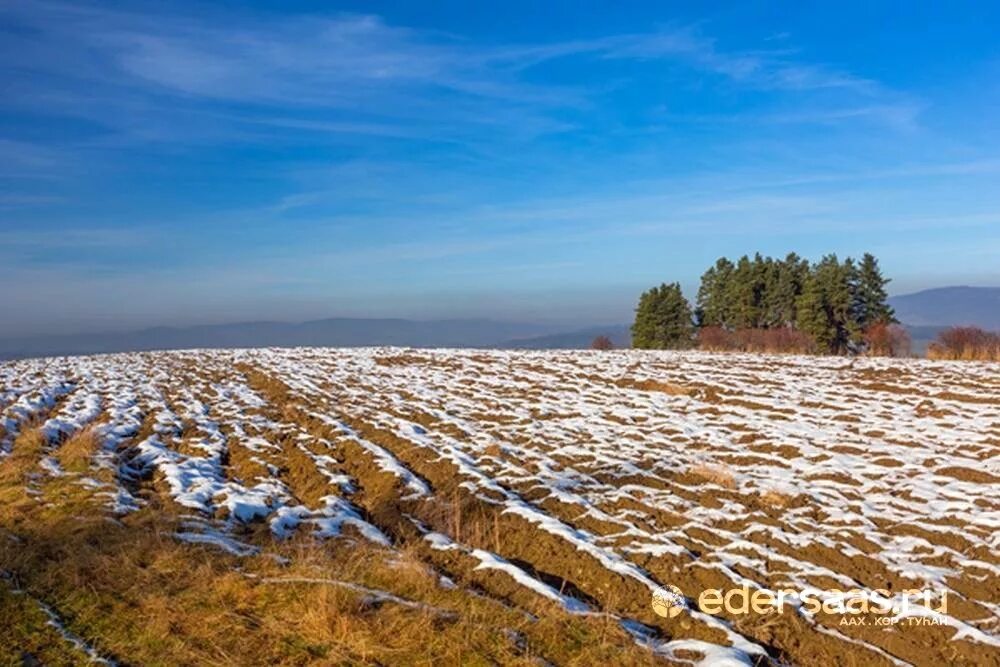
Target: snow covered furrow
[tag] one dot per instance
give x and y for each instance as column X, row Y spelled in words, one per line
column 793, row 407
column 764, row 471
column 191, row 447
column 478, row 482
column 29, row 405
column 82, row 408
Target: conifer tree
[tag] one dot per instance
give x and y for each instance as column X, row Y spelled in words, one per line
column 784, row 289
column 745, row 292
column 871, row 299
column 662, row 319
column 811, row 313
column 825, row 308
column 714, row 308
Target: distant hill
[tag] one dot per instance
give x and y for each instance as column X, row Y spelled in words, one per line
column 335, row 332
column 573, row 340
column 950, row 306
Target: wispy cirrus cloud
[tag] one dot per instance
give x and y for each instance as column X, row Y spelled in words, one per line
column 773, row 69
column 394, row 81
column 26, row 156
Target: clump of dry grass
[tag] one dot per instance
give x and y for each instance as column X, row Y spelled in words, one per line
column 714, row 474
column 75, row 454
column 494, row 450
column 29, row 447
column 465, row 519
column 776, row 498
column 669, row 388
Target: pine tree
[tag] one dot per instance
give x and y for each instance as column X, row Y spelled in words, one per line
column 825, row 308
column 662, row 319
column 745, row 291
column 843, row 297
column 811, row 313
column 714, row 308
column 871, row 299
column 770, row 296
column 784, row 289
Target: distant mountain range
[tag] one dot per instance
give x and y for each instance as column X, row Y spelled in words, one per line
column 950, row 306
column 573, row 340
column 334, row 332
column 924, row 313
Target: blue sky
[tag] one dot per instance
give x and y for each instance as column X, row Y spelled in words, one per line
column 185, row 163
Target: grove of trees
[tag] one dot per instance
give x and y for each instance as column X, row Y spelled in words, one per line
column 830, row 306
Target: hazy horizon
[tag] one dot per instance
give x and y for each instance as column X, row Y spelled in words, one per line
column 621, row 314
column 193, row 164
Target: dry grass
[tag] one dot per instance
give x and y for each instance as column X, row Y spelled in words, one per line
column 138, row 595
column 29, row 447
column 670, row 388
column 965, row 344
column 779, row 340
column 776, row 498
column 77, row 451
column 714, row 474
column 467, row 520
column 25, row 633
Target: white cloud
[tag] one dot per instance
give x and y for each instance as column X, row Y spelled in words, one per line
column 385, row 73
